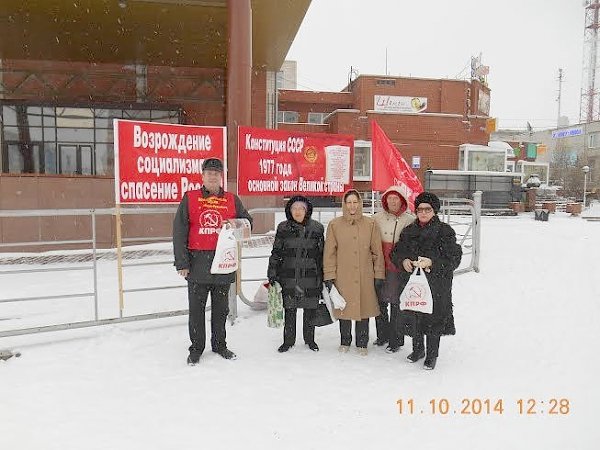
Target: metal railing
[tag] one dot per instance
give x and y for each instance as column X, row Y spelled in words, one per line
column 462, row 214
column 93, row 214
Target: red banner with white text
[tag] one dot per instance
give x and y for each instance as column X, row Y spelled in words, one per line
column 390, row 168
column 158, row 163
column 276, row 162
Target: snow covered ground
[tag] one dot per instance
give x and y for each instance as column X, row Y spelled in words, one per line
column 527, row 328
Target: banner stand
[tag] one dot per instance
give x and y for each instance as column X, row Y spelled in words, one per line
column 119, row 258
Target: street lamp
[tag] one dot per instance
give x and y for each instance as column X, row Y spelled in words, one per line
column 585, row 170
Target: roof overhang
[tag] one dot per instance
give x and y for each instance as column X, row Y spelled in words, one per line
column 190, row 33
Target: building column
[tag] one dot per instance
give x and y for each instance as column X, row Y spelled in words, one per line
column 239, row 78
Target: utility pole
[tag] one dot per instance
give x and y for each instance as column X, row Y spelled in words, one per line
column 560, row 81
column 386, row 67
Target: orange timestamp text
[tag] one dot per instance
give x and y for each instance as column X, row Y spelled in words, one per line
column 485, row 406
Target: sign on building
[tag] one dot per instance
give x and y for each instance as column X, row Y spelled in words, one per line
column 394, row 103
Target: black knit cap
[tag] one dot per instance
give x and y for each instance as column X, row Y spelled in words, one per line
column 428, row 197
column 212, row 164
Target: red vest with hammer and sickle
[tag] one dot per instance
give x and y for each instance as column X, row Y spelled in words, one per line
column 206, row 216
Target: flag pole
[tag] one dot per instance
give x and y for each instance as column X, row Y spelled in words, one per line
column 372, row 202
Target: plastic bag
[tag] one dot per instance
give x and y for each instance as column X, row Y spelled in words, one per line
column 275, row 307
column 416, row 295
column 262, row 293
column 336, row 298
column 226, row 253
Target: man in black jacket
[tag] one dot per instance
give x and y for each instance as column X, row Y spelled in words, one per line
column 199, row 217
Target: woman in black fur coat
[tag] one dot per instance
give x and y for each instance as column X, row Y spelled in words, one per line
column 296, row 262
column 430, row 244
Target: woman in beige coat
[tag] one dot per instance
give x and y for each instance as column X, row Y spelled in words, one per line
column 353, row 261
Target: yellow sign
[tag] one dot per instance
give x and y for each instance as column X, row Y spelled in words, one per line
column 490, row 125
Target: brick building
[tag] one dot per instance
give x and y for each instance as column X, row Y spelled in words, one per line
column 427, row 119
column 68, row 67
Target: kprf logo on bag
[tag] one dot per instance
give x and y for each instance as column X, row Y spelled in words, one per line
column 416, row 295
column 229, row 260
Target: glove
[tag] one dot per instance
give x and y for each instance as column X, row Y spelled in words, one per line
column 378, row 285
column 272, row 281
column 328, row 284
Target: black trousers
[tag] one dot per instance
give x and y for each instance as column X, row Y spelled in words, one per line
column 433, row 345
column 361, row 328
column 388, row 325
column 289, row 326
column 219, row 309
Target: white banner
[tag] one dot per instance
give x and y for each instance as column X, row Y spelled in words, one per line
column 393, row 103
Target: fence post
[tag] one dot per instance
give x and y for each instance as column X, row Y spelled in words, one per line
column 477, row 229
column 233, row 313
column 95, row 263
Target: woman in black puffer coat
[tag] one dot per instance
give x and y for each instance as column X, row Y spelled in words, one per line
column 430, row 244
column 296, row 262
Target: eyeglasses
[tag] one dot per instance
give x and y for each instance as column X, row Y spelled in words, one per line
column 426, row 209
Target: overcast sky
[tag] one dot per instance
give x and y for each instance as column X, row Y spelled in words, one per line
column 524, row 42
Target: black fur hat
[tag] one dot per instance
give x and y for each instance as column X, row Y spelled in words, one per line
column 428, row 197
column 212, row 164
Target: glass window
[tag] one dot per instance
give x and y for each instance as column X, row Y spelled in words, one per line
column 49, row 116
column 66, row 139
column 36, row 134
column 104, row 117
column 594, row 140
column 104, row 135
column 50, row 165
column 316, row 117
column 68, row 159
column 11, row 133
column 362, row 161
column 86, row 160
column 136, row 114
column 288, row 116
column 75, row 135
column 486, row 161
column 74, row 117
column 9, row 115
column 23, row 158
column 34, row 116
column 15, row 161
column 104, row 159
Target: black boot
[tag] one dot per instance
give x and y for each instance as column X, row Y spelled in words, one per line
column 313, row 346
column 430, row 363
column 433, row 346
column 226, row 353
column 418, row 349
column 284, row 348
column 193, row 359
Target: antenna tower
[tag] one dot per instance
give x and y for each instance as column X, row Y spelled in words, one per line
column 589, row 107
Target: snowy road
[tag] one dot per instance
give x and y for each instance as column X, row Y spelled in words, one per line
column 527, row 328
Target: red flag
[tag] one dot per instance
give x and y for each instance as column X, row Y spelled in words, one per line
column 390, row 168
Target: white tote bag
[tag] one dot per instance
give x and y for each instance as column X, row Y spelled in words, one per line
column 338, row 301
column 328, row 303
column 416, row 295
column 226, row 253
